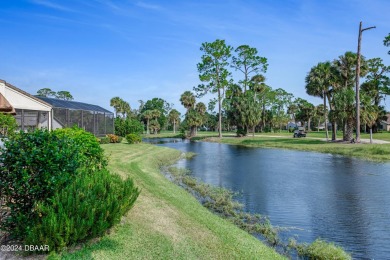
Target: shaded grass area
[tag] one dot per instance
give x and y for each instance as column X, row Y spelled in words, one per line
column 376, row 152
column 166, row 221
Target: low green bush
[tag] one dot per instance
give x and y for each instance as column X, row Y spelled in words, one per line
column 8, row 125
column 104, row 140
column 34, row 167
column 84, row 209
column 91, row 154
column 241, row 132
column 133, row 138
column 127, row 126
column 322, row 250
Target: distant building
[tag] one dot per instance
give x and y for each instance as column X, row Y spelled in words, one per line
column 33, row 112
column 385, row 125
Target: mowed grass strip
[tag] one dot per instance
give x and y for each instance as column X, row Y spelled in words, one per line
column 166, row 221
column 375, row 152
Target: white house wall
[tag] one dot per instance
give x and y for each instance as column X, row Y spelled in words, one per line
column 20, row 101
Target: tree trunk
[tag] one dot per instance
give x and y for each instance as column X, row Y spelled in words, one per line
column 174, row 126
column 192, row 131
column 253, row 131
column 318, row 126
column 325, row 119
column 308, row 125
column 349, row 129
column 147, row 127
column 334, row 131
column 263, row 123
column 370, row 135
column 220, row 114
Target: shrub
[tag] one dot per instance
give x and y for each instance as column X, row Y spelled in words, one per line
column 127, row 126
column 104, row 140
column 91, row 154
column 241, row 132
column 133, row 138
column 114, row 138
column 321, row 249
column 7, row 125
column 34, row 166
column 84, row 209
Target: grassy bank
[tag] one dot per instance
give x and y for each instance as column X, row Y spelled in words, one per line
column 284, row 133
column 376, row 152
column 167, row 222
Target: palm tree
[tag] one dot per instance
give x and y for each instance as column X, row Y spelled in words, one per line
column 187, row 99
column 194, row 114
column 124, row 108
column 318, row 83
column 319, row 112
column 174, row 116
column 154, row 126
column 346, row 67
column 115, row 102
column 369, row 112
column 148, row 114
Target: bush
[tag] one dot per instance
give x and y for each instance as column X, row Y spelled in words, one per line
column 322, row 250
column 114, row 138
column 104, row 140
column 84, row 209
column 133, row 138
column 241, row 132
column 91, row 154
column 127, row 126
column 34, row 166
column 7, row 125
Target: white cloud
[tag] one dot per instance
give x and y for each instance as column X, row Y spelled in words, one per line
column 52, row 5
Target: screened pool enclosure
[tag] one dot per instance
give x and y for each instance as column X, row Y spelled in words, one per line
column 91, row 118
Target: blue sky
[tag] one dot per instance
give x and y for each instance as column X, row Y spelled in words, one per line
column 98, row 49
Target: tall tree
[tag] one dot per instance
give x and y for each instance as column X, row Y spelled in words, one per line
column 154, row 124
column 213, row 70
column 46, row 92
column 115, row 102
column 161, row 105
column 318, row 83
column 64, row 95
column 281, row 100
column 386, row 42
column 377, row 83
column 369, row 111
column 195, row 112
column 174, row 117
column 247, row 61
column 346, row 67
column 187, row 99
column 305, row 113
column 148, row 114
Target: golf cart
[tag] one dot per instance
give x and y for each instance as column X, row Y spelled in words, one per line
column 299, row 132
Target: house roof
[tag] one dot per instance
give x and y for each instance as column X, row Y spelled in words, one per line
column 24, row 92
column 59, row 103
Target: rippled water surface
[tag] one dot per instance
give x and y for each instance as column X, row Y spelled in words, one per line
column 339, row 199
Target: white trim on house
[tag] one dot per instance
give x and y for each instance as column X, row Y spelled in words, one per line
column 21, row 100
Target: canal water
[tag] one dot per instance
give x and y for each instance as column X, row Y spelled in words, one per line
column 336, row 198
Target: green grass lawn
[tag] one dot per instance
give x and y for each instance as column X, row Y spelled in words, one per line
column 166, row 221
column 377, row 152
column 378, row 136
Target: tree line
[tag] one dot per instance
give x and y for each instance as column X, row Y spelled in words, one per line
column 244, row 102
